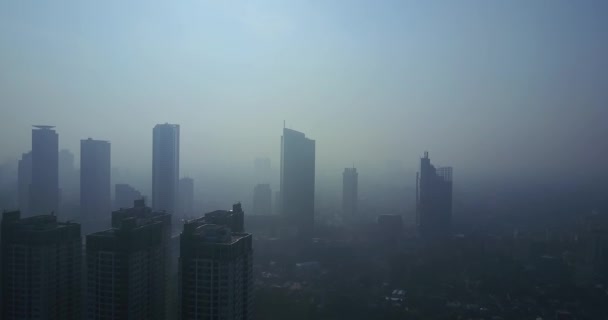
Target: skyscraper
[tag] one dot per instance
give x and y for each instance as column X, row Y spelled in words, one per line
column 125, row 195
column 433, row 200
column 95, row 188
column 24, row 179
column 41, row 263
column 262, row 170
column 186, row 196
column 298, row 183
column 44, row 189
column 69, row 178
column 126, row 267
column 262, row 199
column 350, row 191
column 215, row 267
column 165, row 167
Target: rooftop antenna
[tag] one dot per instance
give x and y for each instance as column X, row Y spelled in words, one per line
column 283, row 124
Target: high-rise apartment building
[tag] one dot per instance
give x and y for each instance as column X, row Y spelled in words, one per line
column 44, row 189
column 262, row 199
column 433, row 200
column 215, row 267
column 350, row 191
column 95, row 186
column 125, row 195
column 165, row 167
column 298, row 183
column 24, row 179
column 40, row 269
column 186, row 196
column 127, row 266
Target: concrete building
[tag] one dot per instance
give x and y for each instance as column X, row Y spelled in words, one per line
column 95, row 186
column 215, row 267
column 44, row 189
column 298, row 184
column 186, row 197
column 350, row 192
column 433, row 200
column 125, row 195
column 165, row 167
column 126, row 269
column 262, row 199
column 24, row 179
column 41, row 268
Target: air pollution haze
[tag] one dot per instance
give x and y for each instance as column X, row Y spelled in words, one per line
column 512, row 94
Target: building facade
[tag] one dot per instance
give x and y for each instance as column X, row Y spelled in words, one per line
column 40, row 269
column 433, row 200
column 95, row 185
column 24, row 179
column 44, row 189
column 262, row 199
column 165, row 167
column 298, row 183
column 215, row 268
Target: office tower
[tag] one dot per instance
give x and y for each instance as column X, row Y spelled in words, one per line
column 433, row 200
column 350, row 189
column 41, row 268
column 24, row 179
column 215, row 268
column 262, row 202
column 165, row 167
column 44, row 189
column 262, row 170
column 126, row 268
column 298, row 183
column 125, row 195
column 69, row 178
column 186, row 196
column 95, row 188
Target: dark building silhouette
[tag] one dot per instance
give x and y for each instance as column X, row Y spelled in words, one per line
column 216, row 268
column 41, row 268
column 350, row 191
column 127, row 275
column 298, row 183
column 165, row 167
column 262, row 199
column 433, row 200
column 128, row 266
column 125, row 195
column 95, row 186
column 24, row 179
column 44, row 189
column 186, row 196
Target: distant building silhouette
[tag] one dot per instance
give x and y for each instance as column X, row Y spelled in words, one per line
column 44, row 189
column 95, row 186
column 125, row 195
column 24, row 179
column 127, row 266
column 165, row 167
column 298, row 182
column 186, row 196
column 69, row 178
column 350, row 191
column 263, row 170
column 433, row 200
column 262, row 199
column 216, row 268
column 41, row 268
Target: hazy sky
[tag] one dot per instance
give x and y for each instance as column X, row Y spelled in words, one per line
column 494, row 87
